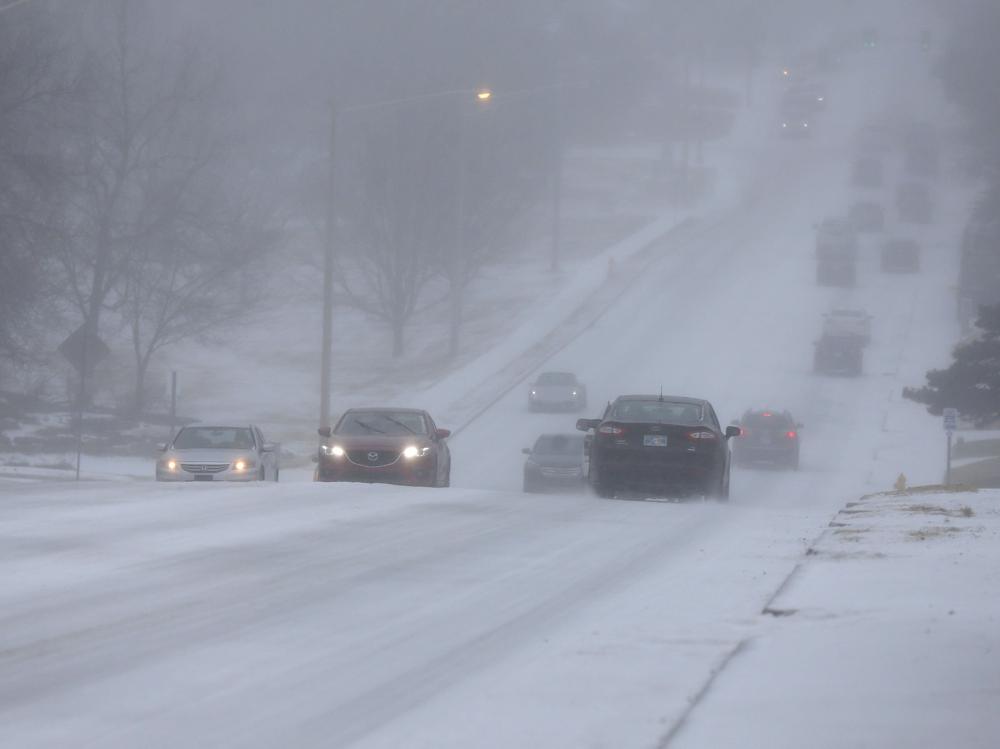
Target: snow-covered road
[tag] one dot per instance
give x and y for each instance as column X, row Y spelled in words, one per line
column 332, row 615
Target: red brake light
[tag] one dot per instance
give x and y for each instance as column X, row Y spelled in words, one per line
column 611, row 429
column 702, row 434
column 791, row 435
column 766, row 413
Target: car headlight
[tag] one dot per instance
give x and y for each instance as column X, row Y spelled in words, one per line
column 412, row 451
column 243, row 464
column 574, row 393
column 335, row 450
column 533, row 393
column 171, row 465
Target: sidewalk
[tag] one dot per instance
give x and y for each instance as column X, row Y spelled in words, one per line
column 887, row 635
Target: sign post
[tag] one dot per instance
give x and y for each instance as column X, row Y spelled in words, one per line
column 83, row 349
column 950, row 418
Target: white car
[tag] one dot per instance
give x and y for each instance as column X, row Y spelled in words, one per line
column 848, row 323
column 557, row 391
column 218, row 453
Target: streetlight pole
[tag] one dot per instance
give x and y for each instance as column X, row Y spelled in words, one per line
column 557, row 167
column 328, row 256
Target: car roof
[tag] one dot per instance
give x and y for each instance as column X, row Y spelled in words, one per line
column 550, row 435
column 664, row 398
column 386, row 409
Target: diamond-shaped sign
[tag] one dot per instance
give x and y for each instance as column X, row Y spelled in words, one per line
column 83, row 349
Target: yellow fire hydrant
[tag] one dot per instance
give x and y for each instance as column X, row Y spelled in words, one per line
column 900, row 484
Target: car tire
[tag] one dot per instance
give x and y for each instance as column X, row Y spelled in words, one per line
column 528, row 487
column 277, row 471
column 719, row 490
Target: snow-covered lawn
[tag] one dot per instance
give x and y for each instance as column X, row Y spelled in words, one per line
column 887, row 635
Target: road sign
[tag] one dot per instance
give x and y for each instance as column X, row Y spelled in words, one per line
column 83, row 349
column 950, row 419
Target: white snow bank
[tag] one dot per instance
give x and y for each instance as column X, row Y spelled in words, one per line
column 886, row 636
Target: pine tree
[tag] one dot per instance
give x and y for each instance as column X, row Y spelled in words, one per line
column 972, row 382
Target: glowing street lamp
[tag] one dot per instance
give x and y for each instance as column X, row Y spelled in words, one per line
column 484, row 94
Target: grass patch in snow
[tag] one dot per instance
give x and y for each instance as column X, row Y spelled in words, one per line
column 963, row 511
column 936, row 531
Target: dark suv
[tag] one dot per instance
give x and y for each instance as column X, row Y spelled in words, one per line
column 669, row 445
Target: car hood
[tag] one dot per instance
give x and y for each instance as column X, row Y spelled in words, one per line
column 554, row 391
column 209, row 455
column 378, row 442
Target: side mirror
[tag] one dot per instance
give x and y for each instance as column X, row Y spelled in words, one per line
column 526, row 450
column 732, row 432
column 161, row 446
column 585, row 425
column 324, row 431
column 268, row 447
column 442, row 433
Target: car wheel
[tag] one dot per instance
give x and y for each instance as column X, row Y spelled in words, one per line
column 276, row 473
column 528, row 487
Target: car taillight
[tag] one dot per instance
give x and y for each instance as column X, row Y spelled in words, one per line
column 702, row 434
column 611, row 429
column 791, row 435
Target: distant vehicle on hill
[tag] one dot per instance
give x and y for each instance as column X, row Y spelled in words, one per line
column 557, row 391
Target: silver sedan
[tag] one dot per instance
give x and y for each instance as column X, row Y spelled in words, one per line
column 218, row 453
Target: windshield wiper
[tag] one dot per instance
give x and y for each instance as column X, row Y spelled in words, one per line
column 368, row 426
column 397, row 421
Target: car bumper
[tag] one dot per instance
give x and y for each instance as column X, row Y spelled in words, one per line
column 683, row 474
column 398, row 473
column 181, row 475
column 764, row 454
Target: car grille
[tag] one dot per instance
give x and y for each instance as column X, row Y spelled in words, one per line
column 373, row 458
column 204, row 467
column 561, row 473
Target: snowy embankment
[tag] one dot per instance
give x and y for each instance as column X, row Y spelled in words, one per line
column 888, row 634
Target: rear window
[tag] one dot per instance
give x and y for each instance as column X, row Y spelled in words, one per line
column 667, row 412
column 558, row 444
column 760, row 421
column 556, row 378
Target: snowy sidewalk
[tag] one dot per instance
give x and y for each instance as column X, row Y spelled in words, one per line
column 887, row 635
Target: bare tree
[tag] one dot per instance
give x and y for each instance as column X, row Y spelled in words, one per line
column 32, row 84
column 394, row 218
column 188, row 280
column 139, row 137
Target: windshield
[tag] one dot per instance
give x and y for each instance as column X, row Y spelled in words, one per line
column 657, row 411
column 558, row 444
column 556, row 378
column 392, row 423
column 214, row 438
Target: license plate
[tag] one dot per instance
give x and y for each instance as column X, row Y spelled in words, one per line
column 203, row 478
column 654, row 440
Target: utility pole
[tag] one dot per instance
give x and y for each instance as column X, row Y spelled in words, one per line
column 330, row 230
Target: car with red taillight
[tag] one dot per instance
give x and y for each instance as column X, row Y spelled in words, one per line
column 664, row 445
column 768, row 437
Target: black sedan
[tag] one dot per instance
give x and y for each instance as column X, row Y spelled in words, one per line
column 665, row 444
column 385, row 445
column 555, row 462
